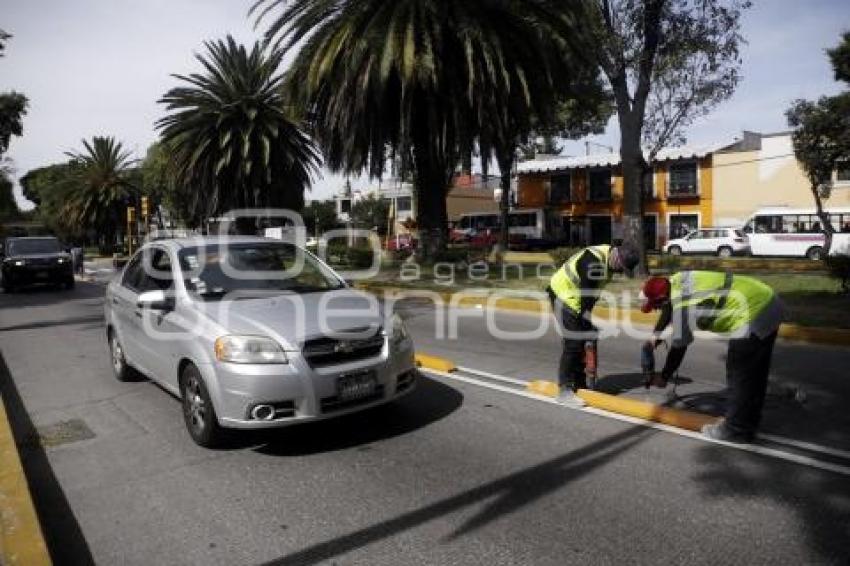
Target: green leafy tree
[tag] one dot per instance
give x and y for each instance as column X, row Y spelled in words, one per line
column 371, row 212
column 822, row 136
column 427, row 81
column 99, row 188
column 320, row 216
column 668, row 62
column 8, row 206
column 230, row 137
column 839, row 56
column 13, row 108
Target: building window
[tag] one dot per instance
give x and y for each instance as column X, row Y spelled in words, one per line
column 683, row 180
column 403, row 204
column 345, row 206
column 682, row 224
column 599, row 184
column 559, row 191
column 842, row 174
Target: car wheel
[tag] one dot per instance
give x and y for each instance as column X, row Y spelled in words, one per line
column 122, row 371
column 674, row 250
column 70, row 283
column 198, row 410
column 724, row 251
column 815, row 253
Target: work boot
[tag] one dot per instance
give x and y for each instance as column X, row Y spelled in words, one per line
column 568, row 398
column 719, row 431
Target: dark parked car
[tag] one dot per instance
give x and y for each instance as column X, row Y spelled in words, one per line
column 29, row 261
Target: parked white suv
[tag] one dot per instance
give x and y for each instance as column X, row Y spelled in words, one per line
column 724, row 242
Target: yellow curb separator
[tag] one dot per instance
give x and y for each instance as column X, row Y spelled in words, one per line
column 688, row 420
column 435, row 363
column 543, row 387
column 631, row 407
column 21, row 539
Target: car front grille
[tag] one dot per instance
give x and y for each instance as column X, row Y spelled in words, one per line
column 326, row 351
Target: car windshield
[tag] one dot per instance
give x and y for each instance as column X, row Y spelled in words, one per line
column 214, row 271
column 34, row 246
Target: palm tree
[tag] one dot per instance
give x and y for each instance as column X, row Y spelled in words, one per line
column 98, row 188
column 232, row 143
column 430, row 81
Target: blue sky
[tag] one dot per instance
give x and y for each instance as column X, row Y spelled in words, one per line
column 97, row 67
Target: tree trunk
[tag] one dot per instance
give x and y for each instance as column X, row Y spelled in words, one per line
column 826, row 226
column 431, row 213
column 634, row 168
column 506, row 166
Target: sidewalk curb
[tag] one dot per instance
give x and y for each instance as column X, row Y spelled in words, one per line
column 21, row 538
column 794, row 332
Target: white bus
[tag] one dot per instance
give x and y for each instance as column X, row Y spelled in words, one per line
column 796, row 232
column 527, row 223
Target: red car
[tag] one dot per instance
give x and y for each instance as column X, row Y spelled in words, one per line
column 401, row 242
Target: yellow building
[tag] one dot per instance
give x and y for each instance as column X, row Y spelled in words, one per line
column 760, row 170
column 583, row 196
column 692, row 187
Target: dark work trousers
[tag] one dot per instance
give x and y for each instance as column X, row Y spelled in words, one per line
column 747, row 369
column 576, row 330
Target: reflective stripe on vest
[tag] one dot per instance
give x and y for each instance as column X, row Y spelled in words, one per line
column 726, row 303
column 565, row 283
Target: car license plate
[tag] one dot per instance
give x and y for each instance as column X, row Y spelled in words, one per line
column 356, row 386
column 41, row 275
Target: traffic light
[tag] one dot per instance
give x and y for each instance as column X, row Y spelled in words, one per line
column 145, row 202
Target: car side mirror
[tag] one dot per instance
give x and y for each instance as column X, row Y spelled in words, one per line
column 155, row 301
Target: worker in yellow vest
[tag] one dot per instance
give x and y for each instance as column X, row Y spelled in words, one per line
column 742, row 308
column 574, row 290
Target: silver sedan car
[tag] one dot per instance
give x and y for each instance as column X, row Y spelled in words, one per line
column 253, row 333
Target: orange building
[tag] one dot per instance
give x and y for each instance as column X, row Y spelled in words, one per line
column 583, row 196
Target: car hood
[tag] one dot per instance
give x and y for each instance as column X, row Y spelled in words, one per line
column 293, row 318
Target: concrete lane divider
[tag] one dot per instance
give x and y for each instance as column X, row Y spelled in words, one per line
column 21, row 539
column 688, row 420
column 435, row 363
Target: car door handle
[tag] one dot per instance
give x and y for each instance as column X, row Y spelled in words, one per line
column 138, row 314
column 114, row 301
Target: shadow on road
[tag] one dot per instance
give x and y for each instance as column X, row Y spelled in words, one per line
column 62, row 533
column 627, row 382
column 41, row 296
column 92, row 321
column 512, row 492
column 429, row 403
column 820, row 500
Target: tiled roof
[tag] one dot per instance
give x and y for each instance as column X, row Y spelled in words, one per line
column 610, row 159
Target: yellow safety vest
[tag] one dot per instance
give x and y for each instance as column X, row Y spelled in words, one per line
column 745, row 298
column 565, row 282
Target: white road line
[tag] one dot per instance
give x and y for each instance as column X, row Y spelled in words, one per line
column 806, row 445
column 489, row 375
column 753, row 448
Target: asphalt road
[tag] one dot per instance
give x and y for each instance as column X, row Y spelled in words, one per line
column 453, row 474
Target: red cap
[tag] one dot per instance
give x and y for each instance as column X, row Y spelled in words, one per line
column 656, row 290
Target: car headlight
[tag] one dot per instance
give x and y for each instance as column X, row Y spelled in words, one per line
column 398, row 332
column 62, row 260
column 249, row 350
column 20, row 263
